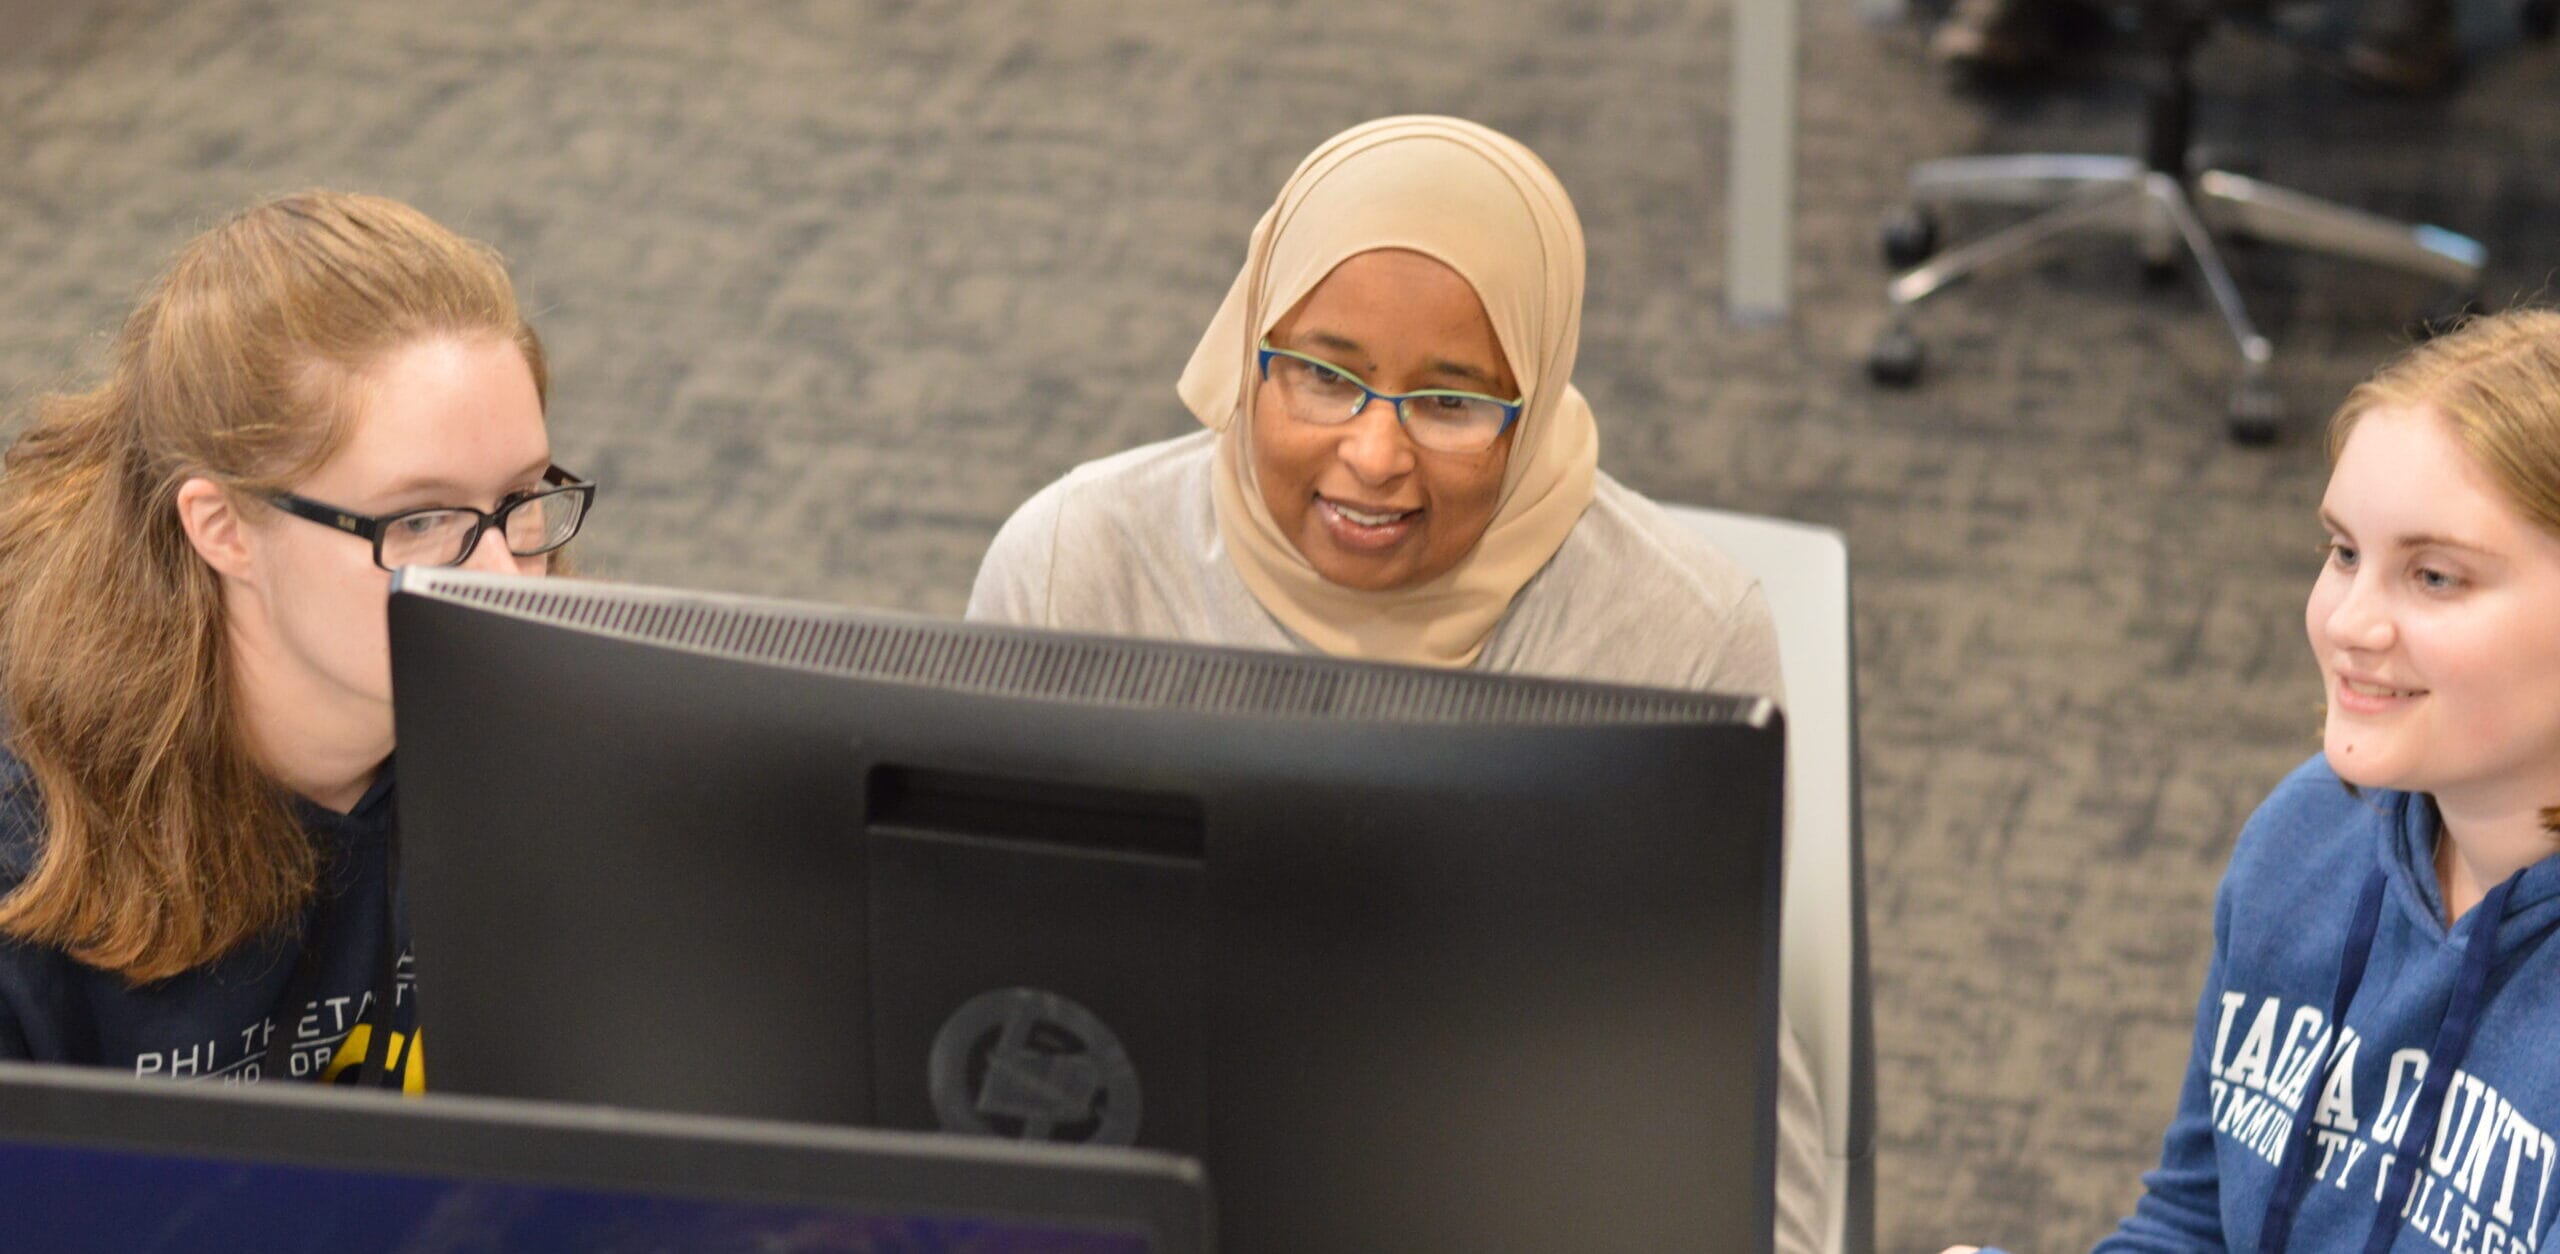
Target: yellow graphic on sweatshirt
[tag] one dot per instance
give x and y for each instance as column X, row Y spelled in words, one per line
column 408, row 1057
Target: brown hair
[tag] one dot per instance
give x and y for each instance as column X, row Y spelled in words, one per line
column 166, row 844
column 2495, row 382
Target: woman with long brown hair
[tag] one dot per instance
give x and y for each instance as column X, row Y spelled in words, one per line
column 196, row 841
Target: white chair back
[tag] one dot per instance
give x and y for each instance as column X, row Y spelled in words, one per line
column 1822, row 951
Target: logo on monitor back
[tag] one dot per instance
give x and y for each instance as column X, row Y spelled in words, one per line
column 1033, row 1066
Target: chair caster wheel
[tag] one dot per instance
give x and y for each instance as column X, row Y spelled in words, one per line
column 2238, row 161
column 1910, row 236
column 2257, row 414
column 1895, row 358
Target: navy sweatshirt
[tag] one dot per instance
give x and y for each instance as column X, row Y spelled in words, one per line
column 216, row 1020
column 2476, row 1177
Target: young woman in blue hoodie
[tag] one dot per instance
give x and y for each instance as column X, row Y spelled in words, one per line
column 198, row 864
column 2377, row 1052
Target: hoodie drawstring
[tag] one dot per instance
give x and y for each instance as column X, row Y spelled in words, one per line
column 2453, row 1039
column 2293, row 1175
column 2453, row 1036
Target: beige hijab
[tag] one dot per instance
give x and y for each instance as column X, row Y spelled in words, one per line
column 1486, row 207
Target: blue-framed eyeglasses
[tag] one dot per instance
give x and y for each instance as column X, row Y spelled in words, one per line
column 1440, row 419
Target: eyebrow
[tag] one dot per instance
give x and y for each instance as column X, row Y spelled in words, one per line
column 1473, row 374
column 428, row 483
column 1477, row 375
column 2412, row 540
column 1329, row 340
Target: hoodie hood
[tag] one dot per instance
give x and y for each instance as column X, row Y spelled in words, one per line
column 2405, row 852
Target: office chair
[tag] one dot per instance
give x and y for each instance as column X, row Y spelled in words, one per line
column 1822, row 947
column 2168, row 203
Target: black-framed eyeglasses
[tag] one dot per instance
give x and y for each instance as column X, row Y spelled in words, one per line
column 1440, row 419
column 530, row 523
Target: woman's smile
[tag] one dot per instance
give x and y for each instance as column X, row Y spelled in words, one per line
column 2358, row 696
column 1368, row 528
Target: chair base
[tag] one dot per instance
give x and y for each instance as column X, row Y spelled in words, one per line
column 2168, row 216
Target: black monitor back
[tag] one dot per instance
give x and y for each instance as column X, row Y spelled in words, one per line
column 1413, row 960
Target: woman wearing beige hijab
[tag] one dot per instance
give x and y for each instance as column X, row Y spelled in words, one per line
column 1396, row 466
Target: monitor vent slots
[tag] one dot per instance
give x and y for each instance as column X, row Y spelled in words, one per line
column 1004, row 662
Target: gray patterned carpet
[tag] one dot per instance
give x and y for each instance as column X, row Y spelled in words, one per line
column 831, row 286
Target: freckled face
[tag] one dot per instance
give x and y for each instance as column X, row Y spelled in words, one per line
column 1366, row 506
column 2436, row 622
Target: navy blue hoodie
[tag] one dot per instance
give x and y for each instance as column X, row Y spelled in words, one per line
column 2485, row 1060
column 216, row 1020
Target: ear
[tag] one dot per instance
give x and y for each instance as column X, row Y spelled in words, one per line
column 214, row 526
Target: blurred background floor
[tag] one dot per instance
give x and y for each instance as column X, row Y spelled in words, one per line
column 830, row 287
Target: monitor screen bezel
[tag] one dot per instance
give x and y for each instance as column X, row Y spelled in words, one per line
column 600, row 1149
